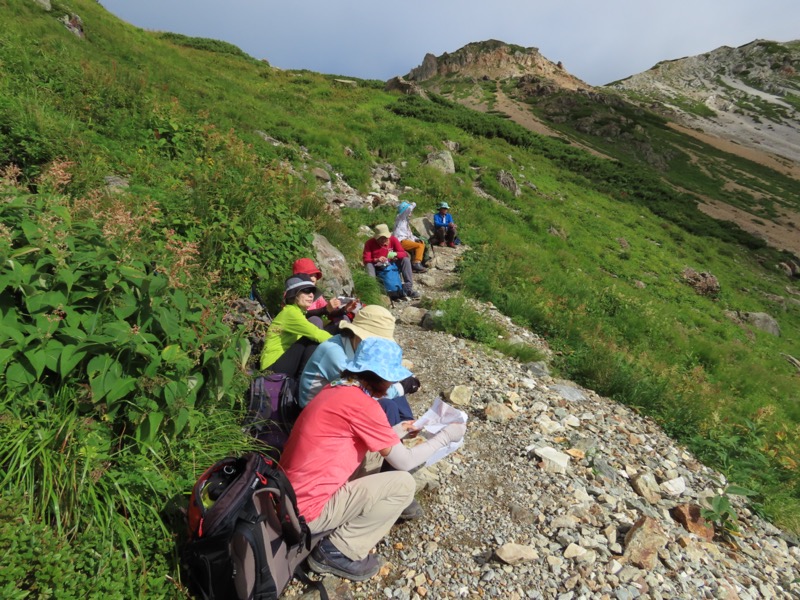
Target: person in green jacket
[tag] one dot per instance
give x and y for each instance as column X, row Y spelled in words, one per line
column 291, row 338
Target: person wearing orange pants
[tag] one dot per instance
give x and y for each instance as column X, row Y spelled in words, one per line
column 410, row 243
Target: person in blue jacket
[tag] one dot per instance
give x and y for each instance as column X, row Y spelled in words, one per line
column 328, row 361
column 444, row 229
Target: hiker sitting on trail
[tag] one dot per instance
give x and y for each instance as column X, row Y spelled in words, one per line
column 291, row 338
column 334, row 310
column 341, row 427
column 410, row 243
column 330, row 358
column 383, row 249
column 444, row 229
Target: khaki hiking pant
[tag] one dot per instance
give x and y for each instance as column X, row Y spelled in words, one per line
column 415, row 248
column 363, row 511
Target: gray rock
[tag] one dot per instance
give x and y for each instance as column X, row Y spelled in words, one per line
column 498, row 413
column 513, row 554
column 337, row 280
column 570, row 393
column 442, row 161
column 460, row 395
column 45, row 4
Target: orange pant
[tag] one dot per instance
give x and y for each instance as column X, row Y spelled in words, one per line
column 415, row 249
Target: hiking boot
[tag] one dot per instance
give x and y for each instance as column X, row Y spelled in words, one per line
column 418, row 268
column 451, row 244
column 413, row 294
column 326, row 558
column 442, row 244
column 411, row 512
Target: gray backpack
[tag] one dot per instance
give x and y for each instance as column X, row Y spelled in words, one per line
column 246, row 538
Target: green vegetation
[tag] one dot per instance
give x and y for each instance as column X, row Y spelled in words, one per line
column 203, row 44
column 120, row 381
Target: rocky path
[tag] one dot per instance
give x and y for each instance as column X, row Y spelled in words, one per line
column 559, row 493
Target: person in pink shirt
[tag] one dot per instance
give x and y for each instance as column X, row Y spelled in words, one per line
column 340, row 435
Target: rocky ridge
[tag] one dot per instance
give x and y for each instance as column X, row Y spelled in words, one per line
column 557, row 492
column 494, row 60
column 744, row 93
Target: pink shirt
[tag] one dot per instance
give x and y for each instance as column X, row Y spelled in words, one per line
column 329, row 442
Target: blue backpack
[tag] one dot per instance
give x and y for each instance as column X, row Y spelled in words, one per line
column 389, row 277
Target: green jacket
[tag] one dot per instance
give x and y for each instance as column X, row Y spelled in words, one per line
column 286, row 328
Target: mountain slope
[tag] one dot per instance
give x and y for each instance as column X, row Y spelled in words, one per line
column 749, row 95
column 758, row 186
column 148, row 178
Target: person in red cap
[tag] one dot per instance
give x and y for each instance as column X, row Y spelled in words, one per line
column 334, row 310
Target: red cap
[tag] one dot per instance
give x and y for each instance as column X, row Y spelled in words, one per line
column 306, row 266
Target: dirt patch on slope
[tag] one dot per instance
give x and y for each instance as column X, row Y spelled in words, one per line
column 777, row 163
column 781, row 232
column 524, row 117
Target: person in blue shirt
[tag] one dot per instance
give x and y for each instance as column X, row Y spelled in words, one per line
column 328, row 361
column 444, row 229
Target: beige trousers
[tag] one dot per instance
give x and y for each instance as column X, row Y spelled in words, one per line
column 363, row 510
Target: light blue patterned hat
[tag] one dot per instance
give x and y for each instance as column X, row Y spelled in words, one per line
column 381, row 356
column 404, row 206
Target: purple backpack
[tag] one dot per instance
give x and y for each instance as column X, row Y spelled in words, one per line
column 273, row 408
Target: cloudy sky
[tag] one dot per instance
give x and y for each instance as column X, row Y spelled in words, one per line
column 598, row 41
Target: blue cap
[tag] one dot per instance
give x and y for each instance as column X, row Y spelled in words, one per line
column 381, row 356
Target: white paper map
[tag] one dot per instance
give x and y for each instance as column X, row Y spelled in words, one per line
column 434, row 420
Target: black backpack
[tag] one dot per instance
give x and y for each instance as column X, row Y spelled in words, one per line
column 273, row 407
column 246, row 538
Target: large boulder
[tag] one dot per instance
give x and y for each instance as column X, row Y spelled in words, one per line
column 337, row 280
column 409, row 88
column 423, row 226
column 442, row 160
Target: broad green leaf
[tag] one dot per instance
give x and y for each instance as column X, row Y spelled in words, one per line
column 18, row 377
column 69, row 359
column 168, row 321
column 12, row 333
column 120, row 331
column 180, row 421
column 45, row 302
column 5, row 355
column 127, row 305
column 172, row 353
column 120, row 389
column 173, row 391
column 147, row 430
column 37, row 358
column 53, row 351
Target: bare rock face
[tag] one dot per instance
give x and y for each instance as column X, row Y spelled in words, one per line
column 45, row 4
column 735, row 87
column 492, row 60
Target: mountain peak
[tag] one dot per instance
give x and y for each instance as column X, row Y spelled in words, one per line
column 493, row 60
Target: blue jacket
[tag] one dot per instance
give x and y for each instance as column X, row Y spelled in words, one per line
column 326, row 364
column 440, row 220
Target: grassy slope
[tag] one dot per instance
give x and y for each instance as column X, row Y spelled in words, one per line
column 98, row 101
